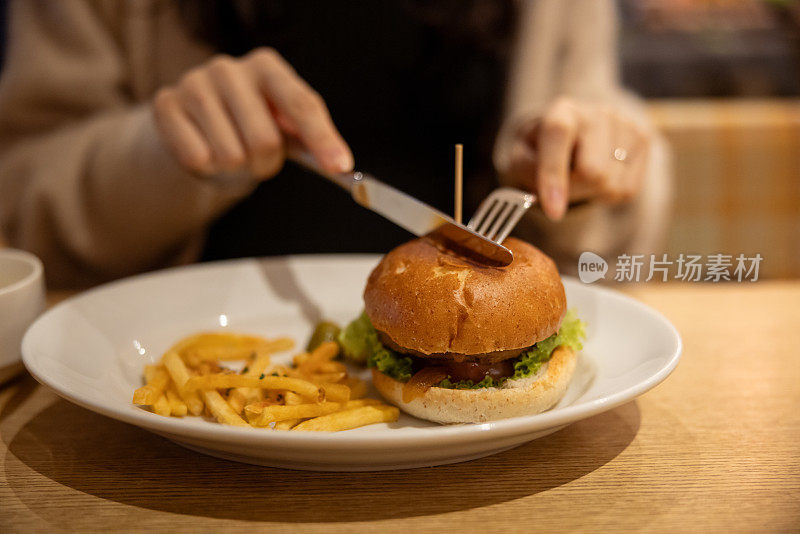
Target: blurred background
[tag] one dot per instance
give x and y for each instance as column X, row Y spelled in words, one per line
column 722, row 80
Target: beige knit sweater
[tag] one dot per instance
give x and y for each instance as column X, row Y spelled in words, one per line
column 87, row 185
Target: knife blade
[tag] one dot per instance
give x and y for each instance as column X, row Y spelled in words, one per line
column 410, row 213
column 421, row 219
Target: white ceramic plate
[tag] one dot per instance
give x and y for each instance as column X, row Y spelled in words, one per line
column 91, row 350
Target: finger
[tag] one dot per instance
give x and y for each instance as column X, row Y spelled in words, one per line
column 180, row 133
column 205, row 107
column 253, row 121
column 638, row 158
column 592, row 155
column 555, row 146
column 626, row 157
column 635, row 174
column 304, row 109
column 528, row 130
column 522, row 165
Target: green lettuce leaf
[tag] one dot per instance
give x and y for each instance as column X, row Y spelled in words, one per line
column 360, row 342
column 487, row 382
column 389, row 362
column 571, row 334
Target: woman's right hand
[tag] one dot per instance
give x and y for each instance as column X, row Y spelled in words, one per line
column 235, row 114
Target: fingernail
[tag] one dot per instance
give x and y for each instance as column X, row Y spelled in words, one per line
column 344, row 161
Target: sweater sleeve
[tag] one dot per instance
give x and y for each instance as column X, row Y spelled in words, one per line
column 569, row 47
column 85, row 182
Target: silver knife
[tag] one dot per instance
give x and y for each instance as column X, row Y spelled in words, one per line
column 411, row 214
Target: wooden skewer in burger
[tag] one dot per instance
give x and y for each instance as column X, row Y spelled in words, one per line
column 453, row 341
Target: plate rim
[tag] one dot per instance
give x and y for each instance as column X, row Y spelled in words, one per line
column 442, row 434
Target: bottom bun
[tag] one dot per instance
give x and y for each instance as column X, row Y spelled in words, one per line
column 524, row 396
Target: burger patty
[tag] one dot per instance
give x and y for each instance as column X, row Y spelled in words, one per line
column 486, row 358
column 458, row 371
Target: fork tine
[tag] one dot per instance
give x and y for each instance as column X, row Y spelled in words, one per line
column 500, row 212
column 500, row 221
column 512, row 221
column 483, row 209
column 490, row 217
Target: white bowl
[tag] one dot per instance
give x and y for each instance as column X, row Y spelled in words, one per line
column 21, row 301
column 91, row 349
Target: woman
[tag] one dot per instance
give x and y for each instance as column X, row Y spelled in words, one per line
column 128, row 129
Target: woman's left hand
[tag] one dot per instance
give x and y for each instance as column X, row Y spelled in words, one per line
column 577, row 151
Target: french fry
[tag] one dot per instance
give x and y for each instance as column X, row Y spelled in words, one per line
column 271, row 414
column 331, row 367
column 157, row 379
column 234, row 401
column 235, row 348
column 358, row 403
column 224, row 338
column 253, row 410
column 210, row 368
column 279, row 344
column 220, row 352
column 221, row 410
column 203, row 337
column 330, row 378
column 300, row 359
column 233, row 404
column 237, row 399
column 319, row 357
column 176, row 368
column 325, row 351
column 256, row 367
column 286, row 424
column 358, row 388
column 290, row 398
column 150, row 372
column 192, row 360
column 240, row 397
column 177, row 407
column 314, row 394
column 161, row 406
column 193, row 401
column 181, row 375
column 262, row 414
column 222, row 381
column 335, row 392
column 353, row 418
column 324, row 368
column 282, row 370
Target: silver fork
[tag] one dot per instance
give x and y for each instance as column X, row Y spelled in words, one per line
column 500, row 212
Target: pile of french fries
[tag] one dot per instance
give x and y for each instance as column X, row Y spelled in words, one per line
column 315, row 393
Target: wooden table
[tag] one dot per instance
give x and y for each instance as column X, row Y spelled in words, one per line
column 714, row 448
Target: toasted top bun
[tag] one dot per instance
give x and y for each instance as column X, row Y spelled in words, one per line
column 431, row 301
column 525, row 396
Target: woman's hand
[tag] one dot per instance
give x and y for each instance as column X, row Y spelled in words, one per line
column 236, row 114
column 577, row 151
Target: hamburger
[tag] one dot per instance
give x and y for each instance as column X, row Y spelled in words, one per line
column 453, row 341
